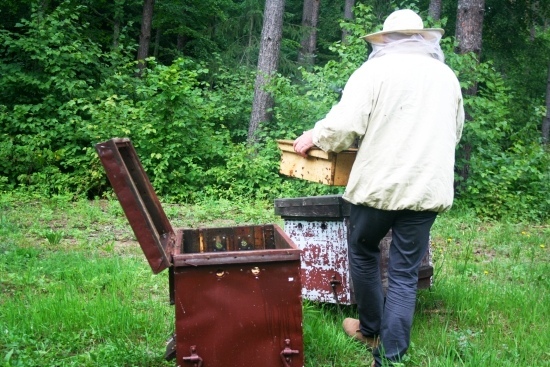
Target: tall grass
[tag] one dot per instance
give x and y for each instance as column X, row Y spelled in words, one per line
column 75, row 290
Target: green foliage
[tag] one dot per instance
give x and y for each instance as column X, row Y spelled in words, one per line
column 516, row 38
column 60, row 96
column 246, row 174
column 250, row 173
column 64, row 86
column 233, row 88
column 508, row 168
column 512, row 183
column 48, row 72
column 300, row 104
column 187, row 132
column 172, row 120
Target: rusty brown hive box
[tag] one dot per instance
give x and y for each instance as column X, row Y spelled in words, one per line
column 236, row 290
column 319, row 226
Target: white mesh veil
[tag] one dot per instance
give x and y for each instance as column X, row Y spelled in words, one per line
column 426, row 42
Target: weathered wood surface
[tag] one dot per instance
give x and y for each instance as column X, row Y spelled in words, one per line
column 326, row 168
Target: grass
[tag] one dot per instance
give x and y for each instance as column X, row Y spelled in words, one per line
column 75, row 290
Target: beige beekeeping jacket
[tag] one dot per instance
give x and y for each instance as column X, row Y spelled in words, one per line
column 407, row 111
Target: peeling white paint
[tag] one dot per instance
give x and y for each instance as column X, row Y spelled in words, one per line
column 324, row 256
column 324, row 246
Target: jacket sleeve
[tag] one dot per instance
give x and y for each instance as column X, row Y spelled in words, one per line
column 348, row 119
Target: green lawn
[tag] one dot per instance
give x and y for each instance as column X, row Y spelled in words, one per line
column 75, row 290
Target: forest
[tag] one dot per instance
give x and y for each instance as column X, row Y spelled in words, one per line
column 205, row 88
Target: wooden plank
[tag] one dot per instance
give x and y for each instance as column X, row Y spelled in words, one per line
column 259, row 241
column 288, row 146
column 315, row 207
column 309, row 169
column 217, row 239
column 269, row 238
column 319, row 166
column 309, row 201
column 236, row 257
column 139, row 201
column 343, row 165
column 191, row 241
column 244, row 238
column 318, row 211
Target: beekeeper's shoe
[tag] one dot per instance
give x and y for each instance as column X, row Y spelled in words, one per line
column 351, row 327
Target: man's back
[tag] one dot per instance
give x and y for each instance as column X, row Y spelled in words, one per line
column 407, row 152
column 405, row 105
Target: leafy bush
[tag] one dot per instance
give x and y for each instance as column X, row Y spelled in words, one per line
column 172, row 120
column 508, row 167
column 300, row 104
column 61, row 92
column 48, row 70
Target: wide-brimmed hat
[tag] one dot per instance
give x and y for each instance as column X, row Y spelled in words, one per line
column 403, row 21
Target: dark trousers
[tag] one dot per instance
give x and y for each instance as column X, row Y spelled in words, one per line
column 391, row 319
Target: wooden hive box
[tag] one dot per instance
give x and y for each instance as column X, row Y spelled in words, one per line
column 319, row 226
column 319, row 166
column 236, row 290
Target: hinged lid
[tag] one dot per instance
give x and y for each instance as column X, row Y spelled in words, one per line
column 325, row 207
column 139, row 201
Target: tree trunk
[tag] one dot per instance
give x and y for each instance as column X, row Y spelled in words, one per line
column 546, row 120
column 158, row 34
column 268, row 60
column 469, row 26
column 116, row 34
column 118, row 20
column 310, row 17
column 43, row 8
column 179, row 42
column 434, row 10
column 246, row 57
column 348, row 15
column 145, row 35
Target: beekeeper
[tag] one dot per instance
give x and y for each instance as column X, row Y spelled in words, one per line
column 404, row 104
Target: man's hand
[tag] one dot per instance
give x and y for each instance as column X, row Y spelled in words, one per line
column 304, row 143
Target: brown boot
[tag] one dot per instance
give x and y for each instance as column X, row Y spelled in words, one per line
column 351, row 327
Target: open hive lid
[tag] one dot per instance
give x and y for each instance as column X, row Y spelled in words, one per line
column 139, row 201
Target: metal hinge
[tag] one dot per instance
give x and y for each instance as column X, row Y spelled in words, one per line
column 194, row 357
column 287, row 353
column 170, row 348
column 334, row 283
